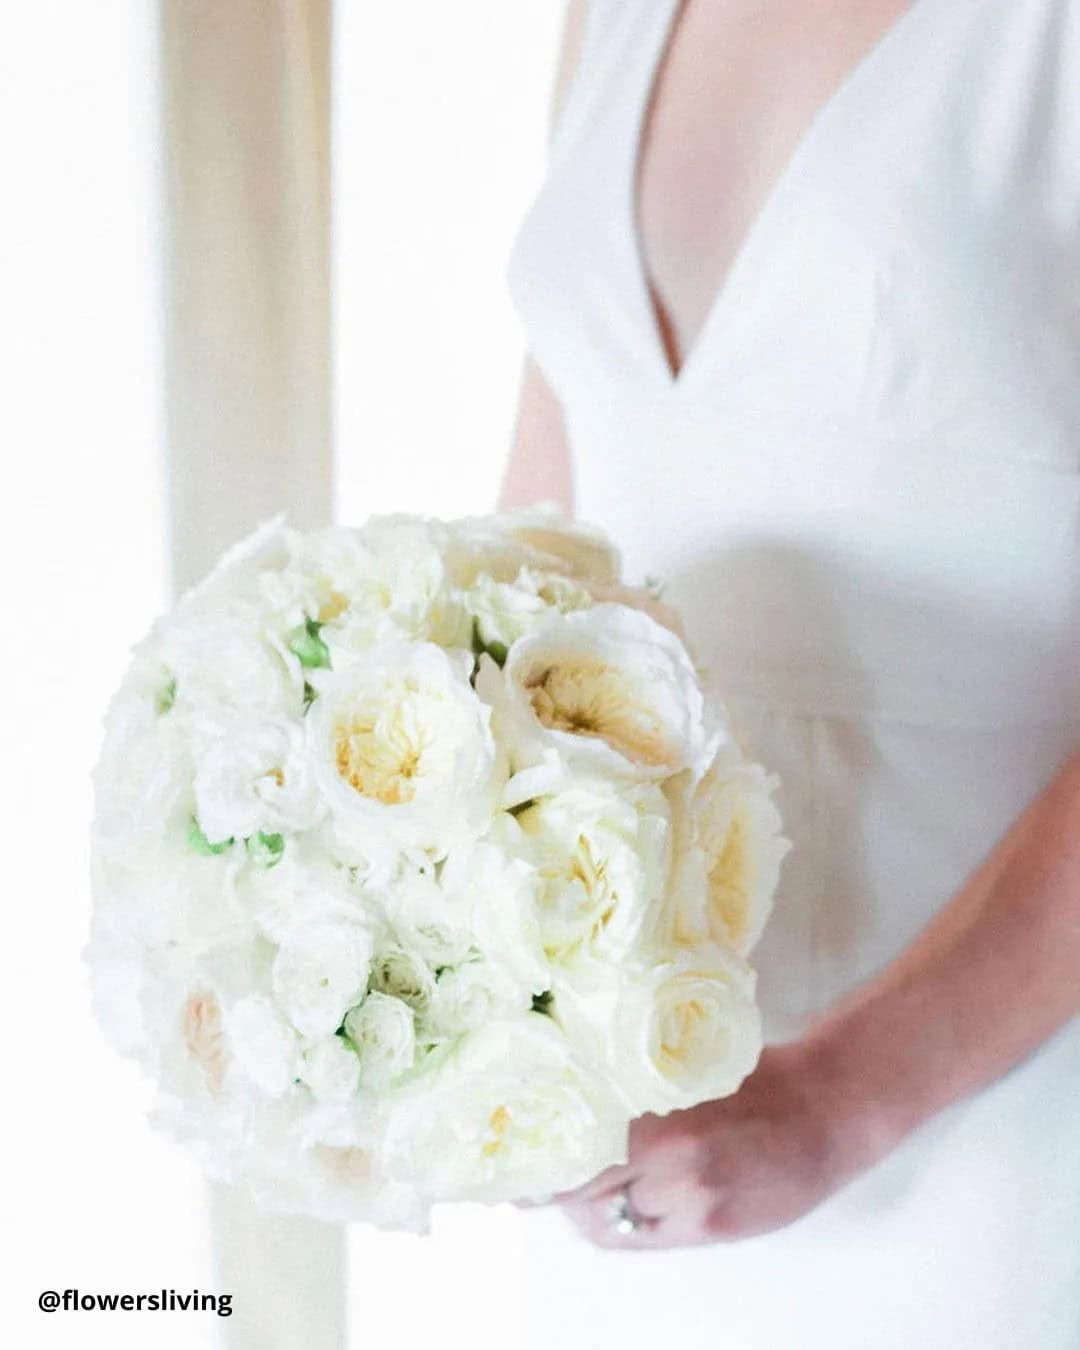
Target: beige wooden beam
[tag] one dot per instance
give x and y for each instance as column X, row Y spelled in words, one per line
column 246, row 240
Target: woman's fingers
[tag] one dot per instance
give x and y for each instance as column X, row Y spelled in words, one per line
column 605, row 1183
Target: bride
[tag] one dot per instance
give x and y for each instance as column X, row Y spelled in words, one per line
column 802, row 289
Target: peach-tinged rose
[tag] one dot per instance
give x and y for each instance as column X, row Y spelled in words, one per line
column 204, row 1037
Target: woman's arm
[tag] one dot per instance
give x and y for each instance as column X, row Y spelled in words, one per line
column 539, row 464
column 991, row 978
column 538, row 469
column 987, row 982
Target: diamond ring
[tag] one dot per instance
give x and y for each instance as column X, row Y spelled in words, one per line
column 623, row 1218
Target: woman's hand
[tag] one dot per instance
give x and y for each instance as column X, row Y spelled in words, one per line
column 730, row 1169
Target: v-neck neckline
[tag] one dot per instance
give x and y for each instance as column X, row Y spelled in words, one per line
column 659, row 44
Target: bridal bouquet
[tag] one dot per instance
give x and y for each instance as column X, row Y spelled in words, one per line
column 422, row 865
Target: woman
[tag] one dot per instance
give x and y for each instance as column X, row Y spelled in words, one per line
column 802, row 290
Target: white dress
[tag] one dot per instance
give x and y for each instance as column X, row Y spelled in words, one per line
column 863, row 489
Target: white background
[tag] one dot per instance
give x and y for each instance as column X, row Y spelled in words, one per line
column 440, row 116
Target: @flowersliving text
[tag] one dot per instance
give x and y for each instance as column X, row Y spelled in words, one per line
column 162, row 1300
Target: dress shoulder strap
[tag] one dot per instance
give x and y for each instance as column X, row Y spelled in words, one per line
column 602, row 43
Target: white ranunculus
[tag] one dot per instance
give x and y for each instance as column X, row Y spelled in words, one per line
column 256, row 777
column 382, row 1029
column 403, row 751
column 687, row 1032
column 264, row 1047
column 612, row 691
column 603, row 858
column 319, row 972
column 510, row 1114
column 331, row 1070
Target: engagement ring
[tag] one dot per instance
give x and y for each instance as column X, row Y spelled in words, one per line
column 623, row 1218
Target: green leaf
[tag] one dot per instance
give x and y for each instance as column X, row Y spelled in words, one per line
column 265, row 849
column 166, row 697
column 308, row 647
column 544, row 1003
column 202, row 845
column 310, row 695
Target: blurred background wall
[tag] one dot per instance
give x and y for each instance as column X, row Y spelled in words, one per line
column 251, row 255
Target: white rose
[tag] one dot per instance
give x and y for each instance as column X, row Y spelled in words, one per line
column 345, row 1183
column 611, row 690
column 471, row 995
column 256, row 777
column 265, row 1048
column 221, row 645
column 510, row 1115
column 689, row 1032
column 305, row 887
column 319, row 972
column 267, row 548
column 221, row 665
column 583, row 551
column 410, row 577
column 387, row 578
column 603, row 858
column 505, row 611
column 501, row 894
column 331, row 1070
column 427, row 918
column 403, row 751
column 382, row 1029
column 403, row 974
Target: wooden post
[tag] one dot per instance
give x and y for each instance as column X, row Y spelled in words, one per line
column 246, row 236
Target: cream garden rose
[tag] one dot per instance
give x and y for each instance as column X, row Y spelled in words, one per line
column 602, row 857
column 402, row 749
column 729, row 851
column 688, row 1031
column 422, row 864
column 612, row 691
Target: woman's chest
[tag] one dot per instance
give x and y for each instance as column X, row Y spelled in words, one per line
column 738, row 86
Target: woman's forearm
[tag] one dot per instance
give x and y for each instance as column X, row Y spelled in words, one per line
column 995, row 975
